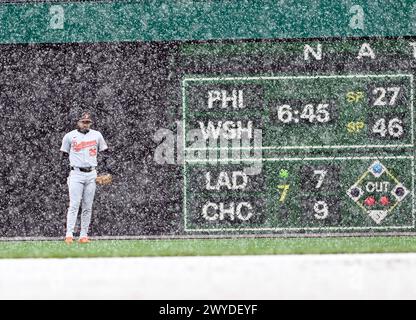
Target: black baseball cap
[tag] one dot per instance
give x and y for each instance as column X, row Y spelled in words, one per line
column 86, row 117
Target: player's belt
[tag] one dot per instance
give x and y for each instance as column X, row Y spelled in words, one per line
column 85, row 169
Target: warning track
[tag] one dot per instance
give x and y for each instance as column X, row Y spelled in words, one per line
column 237, row 277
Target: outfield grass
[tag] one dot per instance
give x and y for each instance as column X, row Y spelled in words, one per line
column 206, row 247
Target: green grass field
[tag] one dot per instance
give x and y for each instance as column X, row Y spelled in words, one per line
column 206, row 247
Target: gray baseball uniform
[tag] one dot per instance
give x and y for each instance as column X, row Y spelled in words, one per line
column 83, row 150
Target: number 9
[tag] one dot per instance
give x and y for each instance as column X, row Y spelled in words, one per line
column 321, row 210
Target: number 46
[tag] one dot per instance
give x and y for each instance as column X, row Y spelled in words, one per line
column 394, row 127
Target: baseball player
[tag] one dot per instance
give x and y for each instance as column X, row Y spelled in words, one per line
column 82, row 145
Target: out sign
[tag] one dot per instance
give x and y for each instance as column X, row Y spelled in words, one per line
column 57, row 17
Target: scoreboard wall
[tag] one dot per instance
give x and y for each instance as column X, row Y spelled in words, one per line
column 225, row 118
column 279, row 140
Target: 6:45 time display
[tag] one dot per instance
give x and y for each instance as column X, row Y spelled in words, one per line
column 313, row 113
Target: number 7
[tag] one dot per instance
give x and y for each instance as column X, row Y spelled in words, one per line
column 396, row 91
column 285, row 190
column 322, row 174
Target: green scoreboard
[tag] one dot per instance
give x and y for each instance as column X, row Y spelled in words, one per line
column 300, row 152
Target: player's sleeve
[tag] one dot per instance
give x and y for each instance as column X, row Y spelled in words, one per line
column 66, row 144
column 102, row 145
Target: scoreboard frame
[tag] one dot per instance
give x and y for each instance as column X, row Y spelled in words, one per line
column 288, row 231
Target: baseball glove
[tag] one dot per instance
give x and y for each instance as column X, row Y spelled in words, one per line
column 104, row 179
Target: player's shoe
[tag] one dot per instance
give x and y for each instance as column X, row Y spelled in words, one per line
column 69, row 240
column 84, row 240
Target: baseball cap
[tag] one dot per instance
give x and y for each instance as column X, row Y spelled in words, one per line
column 86, row 116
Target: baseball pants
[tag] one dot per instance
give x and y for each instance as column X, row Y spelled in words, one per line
column 81, row 191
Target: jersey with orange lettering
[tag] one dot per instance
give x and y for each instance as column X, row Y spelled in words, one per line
column 83, row 148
